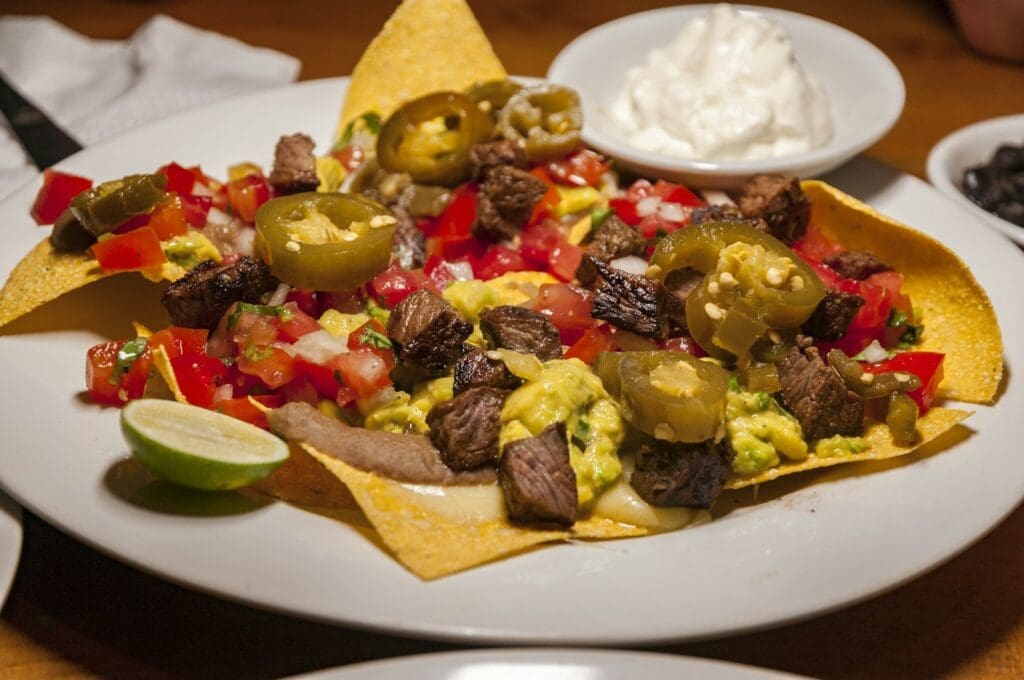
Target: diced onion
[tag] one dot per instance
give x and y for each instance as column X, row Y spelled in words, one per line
column 673, row 212
column 216, row 216
column 225, row 391
column 716, row 197
column 648, row 206
column 280, row 295
column 320, row 346
column 287, row 347
column 200, row 189
column 873, row 353
column 245, row 244
column 630, row 264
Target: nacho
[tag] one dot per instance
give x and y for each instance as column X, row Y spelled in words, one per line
column 959, row 319
column 44, row 275
column 425, row 46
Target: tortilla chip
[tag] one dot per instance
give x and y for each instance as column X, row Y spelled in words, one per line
column 44, row 275
column 958, row 317
column 426, row 46
column 302, row 480
column 600, row 528
column 430, row 543
column 929, row 426
column 162, row 362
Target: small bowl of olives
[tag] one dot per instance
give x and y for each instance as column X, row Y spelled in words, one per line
column 981, row 166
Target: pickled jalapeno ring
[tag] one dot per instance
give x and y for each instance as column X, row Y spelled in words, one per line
column 870, row 385
column 901, row 417
column 492, row 95
column 107, row 206
column 323, row 241
column 429, row 138
column 546, row 119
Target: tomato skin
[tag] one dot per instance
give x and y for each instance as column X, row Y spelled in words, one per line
column 195, row 209
column 300, row 323
column 569, row 309
column 925, row 365
column 564, row 259
column 671, row 192
column 177, row 340
column 363, row 371
column 179, row 180
column 580, row 168
column 272, row 365
column 55, row 195
column 320, row 376
column 138, row 249
column 546, row 205
column 198, row 376
column 394, row 284
column 168, row 220
column 498, row 260
column 247, row 194
column 626, row 210
column 456, row 222
column 243, row 409
column 814, row 246
column 100, row 364
column 593, row 341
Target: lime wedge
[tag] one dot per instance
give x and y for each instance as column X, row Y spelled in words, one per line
column 197, row 448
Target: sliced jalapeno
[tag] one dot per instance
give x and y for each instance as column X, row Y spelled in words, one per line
column 107, row 206
column 546, row 119
column 870, row 385
column 323, row 241
column 672, row 395
column 753, row 284
column 492, row 95
column 429, row 138
column 901, row 417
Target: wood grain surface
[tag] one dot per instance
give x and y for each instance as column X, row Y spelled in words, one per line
column 75, row 613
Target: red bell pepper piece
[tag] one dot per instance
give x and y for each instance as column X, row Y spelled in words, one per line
column 138, row 249
column 55, row 195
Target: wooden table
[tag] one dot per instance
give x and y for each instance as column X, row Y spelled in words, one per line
column 76, row 613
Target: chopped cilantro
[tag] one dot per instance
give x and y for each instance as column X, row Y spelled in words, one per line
column 763, row 400
column 599, row 215
column 734, row 384
column 126, row 356
column 374, row 338
column 280, row 311
column 257, row 353
column 370, row 119
column 375, row 311
column 660, row 234
column 897, row 317
column 911, row 336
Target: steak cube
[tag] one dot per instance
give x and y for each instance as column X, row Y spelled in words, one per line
column 506, row 199
column 614, row 239
column 465, row 429
column 427, row 331
column 408, row 245
column 817, row 396
column 537, row 480
column 201, row 297
column 832, row 317
column 679, row 475
column 856, row 264
column 631, row 302
column 294, row 167
column 476, row 369
column 489, row 155
column 780, row 202
column 521, row 330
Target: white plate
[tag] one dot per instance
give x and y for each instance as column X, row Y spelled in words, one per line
column 547, row 664
column 969, row 146
column 10, row 544
column 840, row 540
column 846, row 65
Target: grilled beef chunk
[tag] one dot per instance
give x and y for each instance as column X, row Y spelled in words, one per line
column 521, row 330
column 408, row 245
column 489, row 155
column 833, row 315
column 614, row 238
column 678, row 475
column 200, row 298
column 856, row 264
column 633, row 303
column 716, row 213
column 294, row 165
column 465, row 429
column 427, row 331
column 780, row 202
column 506, row 199
column 817, row 396
column 538, row 482
column 476, row 369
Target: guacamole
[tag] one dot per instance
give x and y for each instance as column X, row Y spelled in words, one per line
column 408, row 412
column 568, row 391
column 759, row 430
column 839, row 445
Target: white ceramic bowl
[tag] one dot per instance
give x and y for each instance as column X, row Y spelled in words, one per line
column 863, row 85
column 974, row 145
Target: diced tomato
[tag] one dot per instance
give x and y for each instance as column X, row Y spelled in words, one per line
column 306, row 300
column 814, row 247
column 684, row 343
column 456, row 222
column 372, row 336
column 442, row 271
column 195, row 209
column 927, row 366
column 364, row 371
column 321, row 377
column 626, row 210
column 247, row 194
column 543, row 245
column 568, row 307
column 498, row 260
column 593, row 341
column 133, row 223
column 350, row 156
column 179, row 180
column 138, row 249
column 55, row 195
column 254, row 329
column 581, row 168
column 168, row 219
column 879, row 291
column 394, row 284
column 272, row 365
column 656, row 226
column 670, row 192
column 198, row 376
column 177, row 340
column 100, row 379
column 545, row 206
column 298, row 325
column 243, row 409
column 564, row 259
column 855, row 340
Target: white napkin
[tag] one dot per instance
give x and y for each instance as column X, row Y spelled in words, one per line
column 96, row 89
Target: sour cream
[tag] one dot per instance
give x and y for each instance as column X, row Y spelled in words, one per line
column 727, row 88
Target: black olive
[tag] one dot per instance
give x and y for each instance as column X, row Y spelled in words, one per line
column 69, row 235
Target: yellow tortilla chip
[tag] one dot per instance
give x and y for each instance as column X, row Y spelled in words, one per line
column 44, row 275
column 162, row 362
column 958, row 317
column 429, row 541
column 929, row 426
column 426, row 46
column 302, row 480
